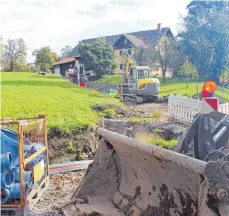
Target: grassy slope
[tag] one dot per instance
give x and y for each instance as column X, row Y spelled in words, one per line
column 114, row 79
column 177, row 86
column 67, row 106
column 172, row 86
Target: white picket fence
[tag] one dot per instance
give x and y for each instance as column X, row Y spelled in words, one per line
column 184, row 109
column 224, row 108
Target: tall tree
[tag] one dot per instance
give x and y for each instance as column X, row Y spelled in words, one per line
column 45, row 58
column 164, row 54
column 14, row 53
column 205, row 38
column 98, row 56
column 66, row 51
column 187, row 71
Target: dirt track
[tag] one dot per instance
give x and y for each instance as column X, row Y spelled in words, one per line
column 59, row 191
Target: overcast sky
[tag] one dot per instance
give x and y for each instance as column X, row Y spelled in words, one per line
column 65, row 22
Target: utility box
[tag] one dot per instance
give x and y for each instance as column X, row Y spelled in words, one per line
column 24, row 163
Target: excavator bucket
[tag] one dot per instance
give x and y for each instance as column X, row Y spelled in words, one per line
column 129, row 177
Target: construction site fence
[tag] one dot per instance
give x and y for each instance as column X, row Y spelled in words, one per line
column 184, row 109
column 24, row 161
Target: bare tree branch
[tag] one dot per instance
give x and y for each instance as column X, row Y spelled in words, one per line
column 14, row 53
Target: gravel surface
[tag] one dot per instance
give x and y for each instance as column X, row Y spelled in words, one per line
column 149, row 108
column 61, row 188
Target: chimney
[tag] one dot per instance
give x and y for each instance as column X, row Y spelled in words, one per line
column 159, row 26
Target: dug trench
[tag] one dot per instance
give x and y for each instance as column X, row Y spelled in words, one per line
column 137, row 122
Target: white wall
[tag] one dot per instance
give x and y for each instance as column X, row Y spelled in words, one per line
column 57, row 70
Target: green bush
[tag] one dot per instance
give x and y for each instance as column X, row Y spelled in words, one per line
column 157, row 140
column 70, row 148
column 108, row 113
column 79, row 152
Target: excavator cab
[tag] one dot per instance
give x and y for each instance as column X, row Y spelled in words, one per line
column 139, row 72
column 139, row 78
column 143, row 73
column 139, row 87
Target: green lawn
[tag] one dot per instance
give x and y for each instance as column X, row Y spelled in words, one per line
column 177, row 86
column 113, row 79
column 172, row 86
column 68, row 107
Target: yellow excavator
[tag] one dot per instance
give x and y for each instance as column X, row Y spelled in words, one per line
column 138, row 86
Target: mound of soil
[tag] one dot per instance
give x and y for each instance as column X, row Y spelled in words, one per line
column 76, row 147
column 121, row 112
column 166, row 129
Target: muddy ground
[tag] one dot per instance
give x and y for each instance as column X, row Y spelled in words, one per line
column 139, row 117
column 73, row 147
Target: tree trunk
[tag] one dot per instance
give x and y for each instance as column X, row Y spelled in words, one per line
column 187, row 81
column 163, row 75
column 11, row 66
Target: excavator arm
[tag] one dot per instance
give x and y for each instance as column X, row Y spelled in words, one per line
column 129, row 62
column 205, row 139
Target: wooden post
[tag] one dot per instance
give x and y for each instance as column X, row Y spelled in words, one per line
column 21, row 162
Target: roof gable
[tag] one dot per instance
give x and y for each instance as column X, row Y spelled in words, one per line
column 135, row 41
column 148, row 36
column 64, row 60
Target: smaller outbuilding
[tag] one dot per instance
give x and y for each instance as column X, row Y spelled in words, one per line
column 65, row 66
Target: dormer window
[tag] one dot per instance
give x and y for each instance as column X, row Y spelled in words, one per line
column 125, row 41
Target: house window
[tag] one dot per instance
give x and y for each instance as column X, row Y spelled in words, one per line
column 70, row 65
column 120, row 66
column 125, row 41
column 129, row 52
column 120, row 52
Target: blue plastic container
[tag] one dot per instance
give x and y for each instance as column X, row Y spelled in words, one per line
column 5, row 195
column 15, row 190
column 9, row 143
column 7, row 179
column 9, row 146
column 28, row 176
column 6, row 161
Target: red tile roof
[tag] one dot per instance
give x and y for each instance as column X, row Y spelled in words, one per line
column 64, row 60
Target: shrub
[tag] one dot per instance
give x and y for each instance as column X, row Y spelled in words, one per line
column 108, row 113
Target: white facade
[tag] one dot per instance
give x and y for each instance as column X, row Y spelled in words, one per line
column 57, row 70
